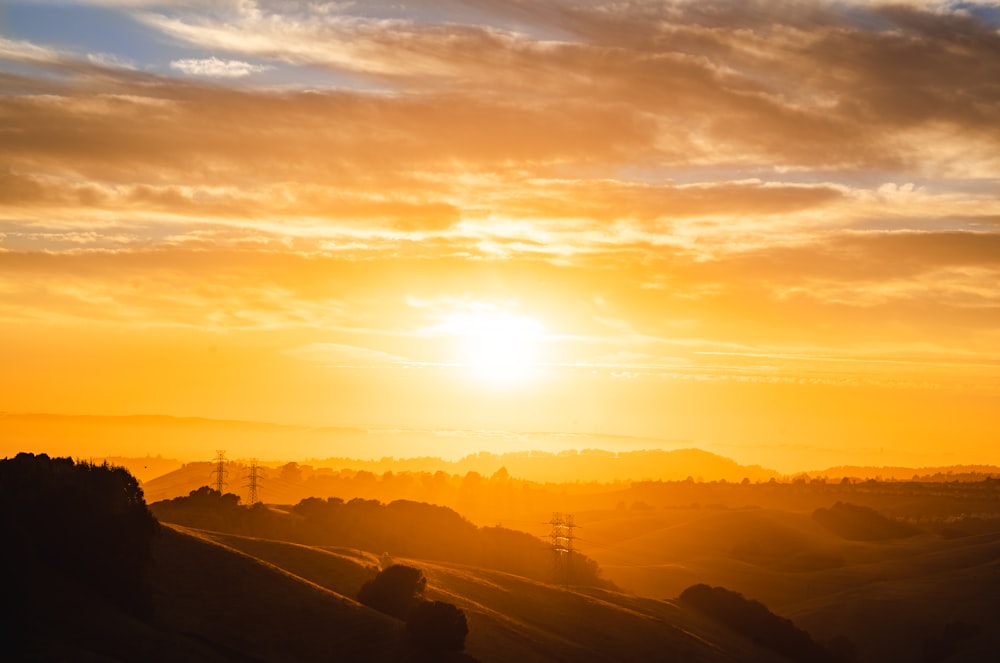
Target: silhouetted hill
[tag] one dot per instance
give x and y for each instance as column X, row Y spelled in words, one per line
column 400, row 528
column 211, row 605
column 861, row 523
column 512, row 618
column 228, row 599
column 89, row 576
column 249, row 609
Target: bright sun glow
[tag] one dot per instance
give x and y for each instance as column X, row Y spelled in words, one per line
column 496, row 345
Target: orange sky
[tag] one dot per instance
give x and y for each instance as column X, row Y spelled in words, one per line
column 764, row 228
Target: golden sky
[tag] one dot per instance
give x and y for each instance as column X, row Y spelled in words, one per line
column 758, row 227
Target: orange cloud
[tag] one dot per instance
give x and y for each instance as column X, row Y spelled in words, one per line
column 678, row 193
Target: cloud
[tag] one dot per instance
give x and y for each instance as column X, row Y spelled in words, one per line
column 26, row 51
column 670, row 85
column 213, row 67
column 794, row 86
column 734, row 169
column 110, row 60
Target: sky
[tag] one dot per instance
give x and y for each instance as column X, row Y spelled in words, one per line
column 766, row 229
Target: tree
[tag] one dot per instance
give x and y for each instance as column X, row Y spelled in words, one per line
column 394, row 590
column 437, row 626
column 86, row 522
column 754, row 620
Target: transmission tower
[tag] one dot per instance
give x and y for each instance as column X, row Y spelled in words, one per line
column 220, row 471
column 562, row 537
column 253, row 482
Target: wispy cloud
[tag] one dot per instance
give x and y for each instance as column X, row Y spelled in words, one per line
column 110, row 60
column 215, row 68
column 23, row 50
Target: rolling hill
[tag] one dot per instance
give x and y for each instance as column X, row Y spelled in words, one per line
column 512, row 618
column 925, row 597
column 213, row 604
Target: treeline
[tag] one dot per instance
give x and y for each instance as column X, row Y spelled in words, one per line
column 73, row 523
column 401, row 528
column 502, row 497
column 477, row 495
column 753, row 620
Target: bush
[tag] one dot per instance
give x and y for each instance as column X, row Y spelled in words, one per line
column 88, row 523
column 394, row 590
column 755, row 621
column 942, row 647
column 437, row 626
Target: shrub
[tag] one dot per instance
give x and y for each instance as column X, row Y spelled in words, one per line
column 755, row 621
column 437, row 626
column 394, row 590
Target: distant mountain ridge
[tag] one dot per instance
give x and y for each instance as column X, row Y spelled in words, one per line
column 566, row 458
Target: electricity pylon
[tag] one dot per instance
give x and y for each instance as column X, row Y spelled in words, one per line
column 253, row 483
column 562, row 537
column 220, row 471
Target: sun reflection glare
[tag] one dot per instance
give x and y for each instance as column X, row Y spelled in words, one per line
column 497, row 346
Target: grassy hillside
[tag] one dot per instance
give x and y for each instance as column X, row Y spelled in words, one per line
column 929, row 596
column 919, row 595
column 405, row 528
column 212, row 604
column 246, row 607
column 512, row 618
column 660, row 553
column 925, row 597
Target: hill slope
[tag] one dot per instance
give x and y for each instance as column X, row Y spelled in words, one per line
column 517, row 619
column 213, row 604
column 239, row 604
column 929, row 596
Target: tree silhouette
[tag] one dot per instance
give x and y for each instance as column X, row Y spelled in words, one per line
column 85, row 522
column 437, row 626
column 394, row 590
column 754, row 620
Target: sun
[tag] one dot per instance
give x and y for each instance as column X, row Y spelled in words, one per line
column 497, row 346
